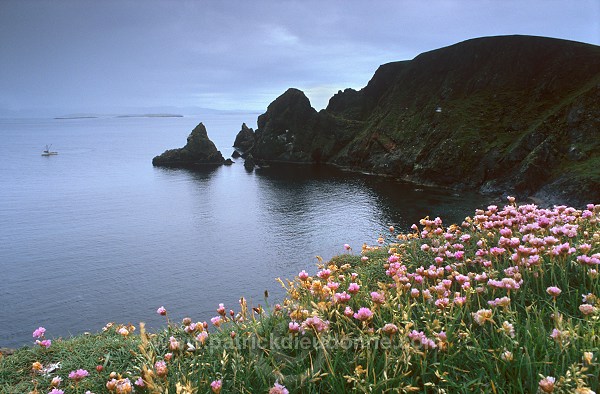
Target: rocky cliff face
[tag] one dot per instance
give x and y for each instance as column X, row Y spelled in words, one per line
column 510, row 114
column 198, row 151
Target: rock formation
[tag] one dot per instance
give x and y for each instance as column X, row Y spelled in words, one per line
column 198, row 151
column 509, row 114
column 244, row 140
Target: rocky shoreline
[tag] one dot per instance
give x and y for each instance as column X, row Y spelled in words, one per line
column 499, row 115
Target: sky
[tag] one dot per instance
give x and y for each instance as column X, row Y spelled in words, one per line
column 114, row 56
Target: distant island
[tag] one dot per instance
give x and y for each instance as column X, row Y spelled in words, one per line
column 150, row 116
column 77, row 117
column 95, row 116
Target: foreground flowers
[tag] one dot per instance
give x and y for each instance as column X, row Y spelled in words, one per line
column 78, row 375
column 442, row 308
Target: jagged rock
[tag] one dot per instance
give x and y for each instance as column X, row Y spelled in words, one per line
column 228, row 162
column 518, row 114
column 244, row 140
column 198, row 151
column 249, row 162
column 236, row 154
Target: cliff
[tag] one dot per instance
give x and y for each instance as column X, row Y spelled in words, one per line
column 508, row 114
column 198, row 151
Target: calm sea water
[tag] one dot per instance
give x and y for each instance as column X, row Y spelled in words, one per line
column 97, row 234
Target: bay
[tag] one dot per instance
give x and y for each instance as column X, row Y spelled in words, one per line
column 96, row 234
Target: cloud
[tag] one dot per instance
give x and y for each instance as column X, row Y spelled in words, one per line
column 81, row 55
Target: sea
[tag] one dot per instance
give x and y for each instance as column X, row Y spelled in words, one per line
column 96, row 234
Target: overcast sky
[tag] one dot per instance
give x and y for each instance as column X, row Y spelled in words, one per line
column 96, row 56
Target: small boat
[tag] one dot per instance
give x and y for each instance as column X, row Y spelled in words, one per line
column 48, row 152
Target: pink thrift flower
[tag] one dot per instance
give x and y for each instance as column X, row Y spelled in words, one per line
column 173, row 344
column 324, row 274
column 419, row 338
column 315, row 323
column 221, row 310
column 459, row 300
column 390, row 329
column 217, row 320
column 161, row 368
column 394, row 258
column 123, row 386
column 347, row 247
column 45, row 343
column 139, row 382
column 363, row 314
column 202, row 337
column 161, row 311
column 547, row 384
column 353, row 288
column 216, row 386
column 377, row 298
column 348, row 312
column 39, row 332
column 78, row 375
column 191, row 327
column 303, row 275
column 482, row 316
column 426, row 294
column 293, row 327
column 587, row 309
column 56, row 391
column 553, row 291
column 278, row 389
column 341, row 297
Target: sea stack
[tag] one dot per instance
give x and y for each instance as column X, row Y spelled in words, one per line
column 198, row 151
column 244, row 140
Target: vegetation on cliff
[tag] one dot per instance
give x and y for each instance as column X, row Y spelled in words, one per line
column 505, row 302
column 499, row 114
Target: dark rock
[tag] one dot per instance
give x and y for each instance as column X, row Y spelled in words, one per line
column 236, row 154
column 228, row 162
column 249, row 163
column 571, row 189
column 281, row 130
column 198, row 151
column 244, row 140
